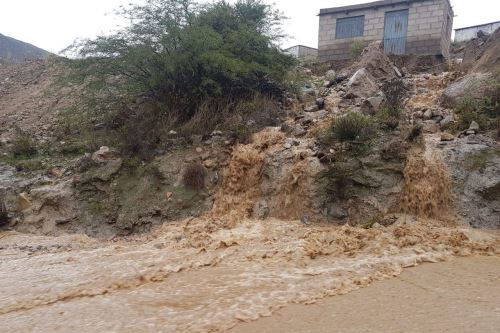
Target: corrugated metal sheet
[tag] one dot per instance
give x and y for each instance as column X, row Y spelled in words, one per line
column 395, row 32
column 349, row 27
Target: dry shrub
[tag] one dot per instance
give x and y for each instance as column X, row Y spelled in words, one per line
column 23, row 145
column 194, row 176
column 353, row 127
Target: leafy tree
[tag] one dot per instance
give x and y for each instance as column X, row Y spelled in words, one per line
column 179, row 55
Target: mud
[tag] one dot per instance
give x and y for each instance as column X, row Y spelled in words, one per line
column 463, row 293
column 199, row 276
column 427, row 188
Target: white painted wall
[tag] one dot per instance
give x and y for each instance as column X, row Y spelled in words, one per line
column 462, row 35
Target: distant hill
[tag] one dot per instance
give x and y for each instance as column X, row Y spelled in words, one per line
column 16, row 51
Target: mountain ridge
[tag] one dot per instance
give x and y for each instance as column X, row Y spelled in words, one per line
column 15, row 51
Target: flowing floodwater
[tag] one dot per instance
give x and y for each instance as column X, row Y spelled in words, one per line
column 199, row 277
column 207, row 274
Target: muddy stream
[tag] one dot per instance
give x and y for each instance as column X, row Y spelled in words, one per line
column 206, row 275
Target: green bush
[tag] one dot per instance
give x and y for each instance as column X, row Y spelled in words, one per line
column 23, row 145
column 357, row 48
column 395, row 92
column 353, row 127
column 469, row 110
column 176, row 57
column 389, row 117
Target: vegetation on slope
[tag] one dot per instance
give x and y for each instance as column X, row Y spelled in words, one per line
column 178, row 62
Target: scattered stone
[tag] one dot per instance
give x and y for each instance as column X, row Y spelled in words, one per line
column 341, row 78
column 105, row 154
column 299, row 131
column 336, row 212
column 320, row 102
column 172, row 132
column 474, row 126
column 261, row 209
column 362, row 84
column 217, row 133
column 199, row 149
column 287, row 146
column 312, row 108
column 472, row 86
column 428, row 114
column 446, row 121
column 209, row 164
column 445, row 136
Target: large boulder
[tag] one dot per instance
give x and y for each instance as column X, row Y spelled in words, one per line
column 376, row 62
column 362, row 84
column 475, row 171
column 474, row 85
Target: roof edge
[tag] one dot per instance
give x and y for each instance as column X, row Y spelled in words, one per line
column 309, row 47
column 476, row 26
column 374, row 4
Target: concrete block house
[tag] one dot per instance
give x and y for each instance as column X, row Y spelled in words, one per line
column 302, row 52
column 420, row 27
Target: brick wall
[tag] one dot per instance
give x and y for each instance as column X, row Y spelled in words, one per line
column 429, row 31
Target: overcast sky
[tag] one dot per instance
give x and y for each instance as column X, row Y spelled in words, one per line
column 54, row 24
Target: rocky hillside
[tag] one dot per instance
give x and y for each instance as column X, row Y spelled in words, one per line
column 354, row 147
column 16, row 51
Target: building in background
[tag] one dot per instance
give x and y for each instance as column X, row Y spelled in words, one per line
column 421, row 27
column 302, row 52
column 468, row 33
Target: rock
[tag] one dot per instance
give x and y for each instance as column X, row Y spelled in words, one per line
column 312, row 108
column 286, row 128
column 371, row 105
column 299, row 131
column 474, row 126
column 341, row 78
column 306, row 91
column 261, row 209
column 287, row 146
column 331, row 75
column 172, row 133
column 209, row 164
column 216, row 133
column 447, row 121
column 106, row 171
column 199, row 150
column 445, row 136
column 105, row 154
column 428, row 114
column 470, row 132
column 473, row 86
column 362, row 84
column 475, row 171
column 336, row 212
column 320, row 102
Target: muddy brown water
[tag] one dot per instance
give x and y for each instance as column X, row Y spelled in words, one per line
column 195, row 276
column 460, row 296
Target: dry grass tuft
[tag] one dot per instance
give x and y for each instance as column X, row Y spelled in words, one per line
column 194, row 176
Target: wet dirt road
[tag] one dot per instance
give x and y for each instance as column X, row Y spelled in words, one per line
column 459, row 296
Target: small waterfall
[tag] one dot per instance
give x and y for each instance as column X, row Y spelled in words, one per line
column 427, row 186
